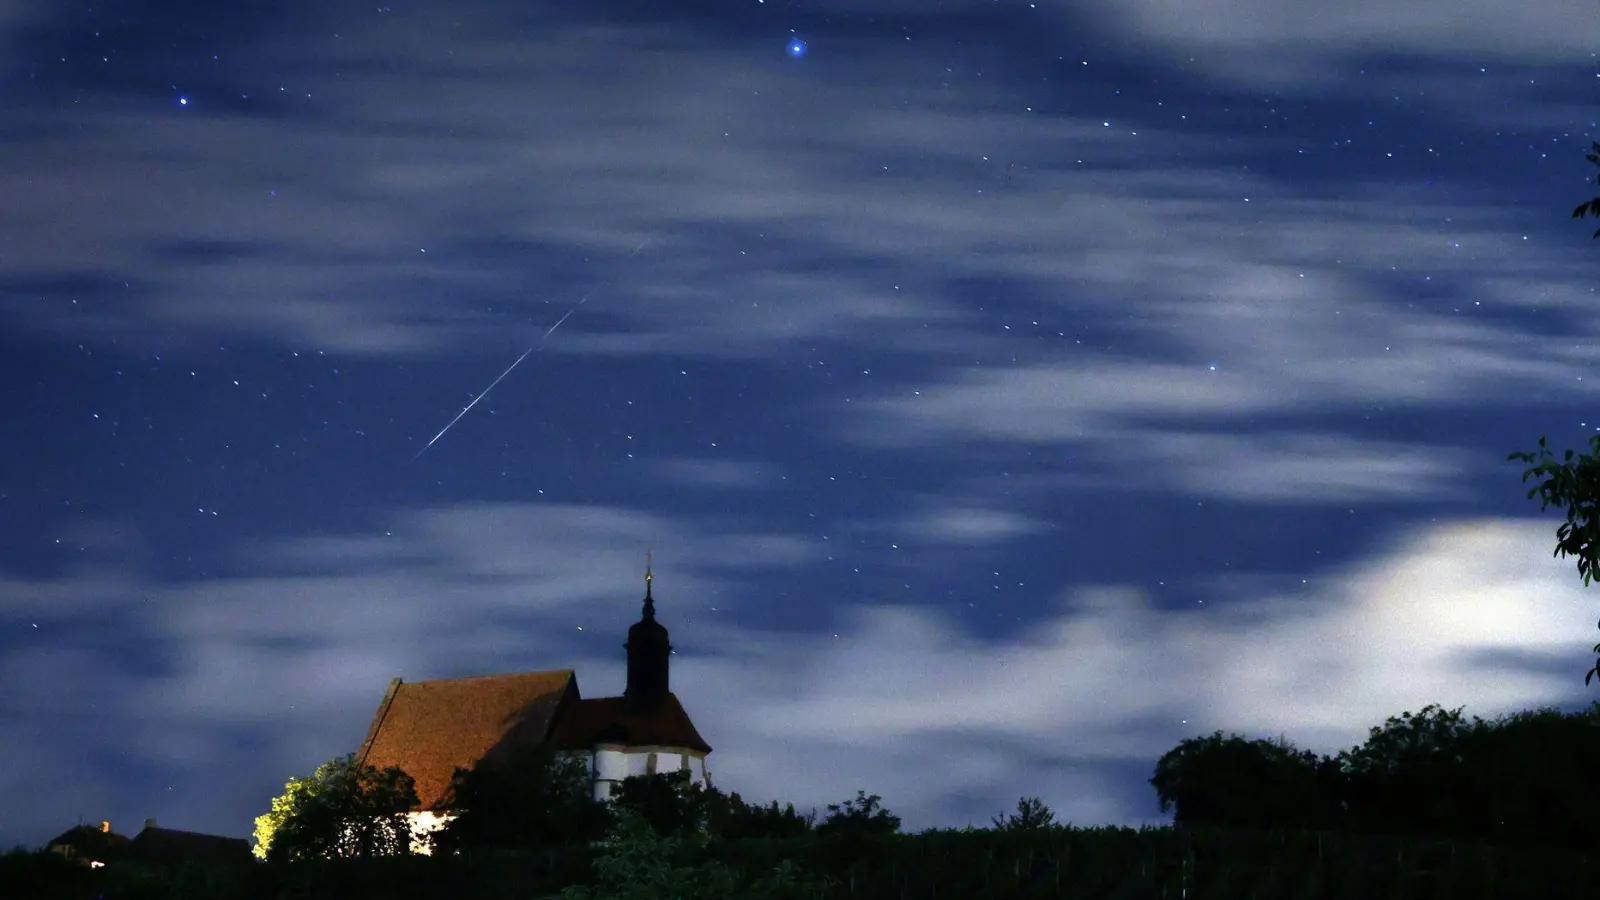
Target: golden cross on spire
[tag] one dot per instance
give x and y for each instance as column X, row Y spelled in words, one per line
column 647, row 575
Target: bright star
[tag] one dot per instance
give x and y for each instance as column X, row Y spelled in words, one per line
column 797, row 48
column 183, row 101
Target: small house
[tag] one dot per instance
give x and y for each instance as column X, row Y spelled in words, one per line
column 170, row 847
column 90, row 845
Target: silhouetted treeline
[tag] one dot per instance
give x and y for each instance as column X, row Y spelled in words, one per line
column 1043, row 863
column 537, row 799
column 1408, row 810
column 1524, row 779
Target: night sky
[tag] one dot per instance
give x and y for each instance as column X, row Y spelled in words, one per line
column 1007, row 390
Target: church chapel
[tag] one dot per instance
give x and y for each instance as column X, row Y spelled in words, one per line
column 429, row 728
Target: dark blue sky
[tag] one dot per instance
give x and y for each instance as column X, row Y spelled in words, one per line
column 1007, row 391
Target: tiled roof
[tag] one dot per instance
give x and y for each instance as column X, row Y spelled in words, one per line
column 610, row 720
column 169, row 845
column 428, row 728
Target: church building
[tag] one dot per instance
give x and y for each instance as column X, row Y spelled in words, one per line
column 429, row 728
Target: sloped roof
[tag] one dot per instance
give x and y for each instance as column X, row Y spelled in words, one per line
column 429, row 728
column 169, row 846
column 611, row 720
column 90, row 842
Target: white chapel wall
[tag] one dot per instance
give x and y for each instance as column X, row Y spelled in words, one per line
column 423, row 824
column 608, row 766
column 613, row 764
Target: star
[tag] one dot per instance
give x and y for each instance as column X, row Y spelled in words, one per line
column 797, row 48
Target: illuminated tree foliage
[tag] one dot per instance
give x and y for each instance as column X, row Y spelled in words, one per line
column 340, row 811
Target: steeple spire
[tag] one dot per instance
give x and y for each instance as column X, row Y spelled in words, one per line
column 649, row 650
column 649, row 601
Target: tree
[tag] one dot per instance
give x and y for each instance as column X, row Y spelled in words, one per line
column 861, row 815
column 636, row 862
column 1531, row 774
column 675, row 806
column 1431, row 735
column 1573, row 485
column 737, row 820
column 44, row 873
column 1410, row 775
column 341, row 810
column 1234, row 783
column 533, row 797
column 1590, row 207
column 669, row 803
column 1031, row 814
column 1523, row 779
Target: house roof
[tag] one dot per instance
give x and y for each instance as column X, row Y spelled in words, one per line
column 169, row 845
column 89, row 839
column 612, row 720
column 429, row 728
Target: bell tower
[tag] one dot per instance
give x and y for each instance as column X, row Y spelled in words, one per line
column 648, row 652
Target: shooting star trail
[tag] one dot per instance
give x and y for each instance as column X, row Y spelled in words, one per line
column 531, row 347
column 469, row 406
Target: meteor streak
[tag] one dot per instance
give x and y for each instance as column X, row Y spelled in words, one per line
column 531, row 347
column 469, row 406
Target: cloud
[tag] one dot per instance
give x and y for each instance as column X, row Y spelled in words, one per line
column 719, row 473
column 1209, row 387
column 1254, row 467
column 968, row 525
column 1110, row 679
column 291, row 668
column 1277, row 44
column 1140, row 425
column 763, row 241
column 1324, row 468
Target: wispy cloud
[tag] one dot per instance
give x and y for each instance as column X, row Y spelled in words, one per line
column 719, row 473
column 1265, row 43
column 1112, row 680
column 968, row 525
column 892, row 208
